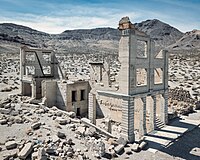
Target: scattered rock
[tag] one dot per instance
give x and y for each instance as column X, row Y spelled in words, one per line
column 11, row 145
column 142, row 145
column 61, row 121
column 61, row 135
column 69, row 154
column 91, row 131
column 36, row 125
column 135, row 147
column 119, row 148
column 26, row 150
column 3, row 121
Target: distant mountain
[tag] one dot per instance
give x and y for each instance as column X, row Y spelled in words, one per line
column 99, row 40
column 189, row 41
column 162, row 33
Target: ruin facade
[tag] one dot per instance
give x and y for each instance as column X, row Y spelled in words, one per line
column 41, row 77
column 136, row 96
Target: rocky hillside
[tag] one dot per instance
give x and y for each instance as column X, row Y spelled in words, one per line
column 163, row 34
column 99, row 40
column 189, row 41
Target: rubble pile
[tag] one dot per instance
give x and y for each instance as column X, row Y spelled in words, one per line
column 182, row 102
column 39, row 132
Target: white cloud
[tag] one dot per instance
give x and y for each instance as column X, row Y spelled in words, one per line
column 80, row 18
column 83, row 17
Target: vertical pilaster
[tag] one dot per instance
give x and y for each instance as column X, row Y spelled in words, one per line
column 143, row 127
column 128, row 118
column 165, row 110
column 154, row 112
column 92, row 108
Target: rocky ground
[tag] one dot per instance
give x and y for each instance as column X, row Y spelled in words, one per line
column 33, row 131
column 184, row 83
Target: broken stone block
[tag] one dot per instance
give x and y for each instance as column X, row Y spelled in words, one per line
column 55, row 139
column 10, row 155
column 69, row 141
column 135, row 147
column 5, row 111
column 61, row 121
column 50, row 151
column 41, row 154
column 80, row 157
column 71, row 114
column 11, row 145
column 75, row 120
column 26, row 150
column 80, row 130
column 61, row 135
column 121, row 140
column 69, row 154
column 3, row 121
column 18, row 119
column 36, row 125
column 119, row 148
column 142, row 145
column 91, row 131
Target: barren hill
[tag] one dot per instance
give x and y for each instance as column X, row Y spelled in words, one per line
column 99, row 40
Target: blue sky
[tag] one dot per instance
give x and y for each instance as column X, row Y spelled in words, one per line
column 55, row 16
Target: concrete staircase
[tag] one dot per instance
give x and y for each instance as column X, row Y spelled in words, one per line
column 159, row 124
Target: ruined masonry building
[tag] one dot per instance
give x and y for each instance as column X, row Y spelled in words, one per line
column 139, row 95
column 136, row 96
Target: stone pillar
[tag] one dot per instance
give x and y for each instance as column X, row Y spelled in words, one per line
column 143, row 128
column 128, row 118
column 92, row 108
column 22, row 59
column 165, row 108
column 154, row 112
column 108, row 125
column 152, row 115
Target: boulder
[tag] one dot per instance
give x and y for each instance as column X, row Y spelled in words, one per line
column 142, row 145
column 119, row 148
column 61, row 135
column 91, row 131
column 69, row 154
column 3, row 121
column 26, row 150
column 36, row 125
column 11, row 145
column 80, row 130
column 135, row 147
column 121, row 140
column 61, row 121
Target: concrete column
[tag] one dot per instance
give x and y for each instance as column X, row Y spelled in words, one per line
column 165, row 108
column 154, row 112
column 128, row 118
column 33, row 87
column 92, row 108
column 143, row 128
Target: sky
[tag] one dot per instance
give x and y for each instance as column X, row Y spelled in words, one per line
column 56, row 16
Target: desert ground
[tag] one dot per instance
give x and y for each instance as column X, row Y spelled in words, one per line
column 27, row 127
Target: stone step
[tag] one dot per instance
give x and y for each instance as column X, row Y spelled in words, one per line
column 159, row 123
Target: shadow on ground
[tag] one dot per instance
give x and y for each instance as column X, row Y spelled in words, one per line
column 186, row 146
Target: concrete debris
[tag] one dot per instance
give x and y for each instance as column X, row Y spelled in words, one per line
column 135, row 147
column 36, row 125
column 26, row 150
column 119, row 148
column 61, row 135
column 11, row 145
column 142, row 145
